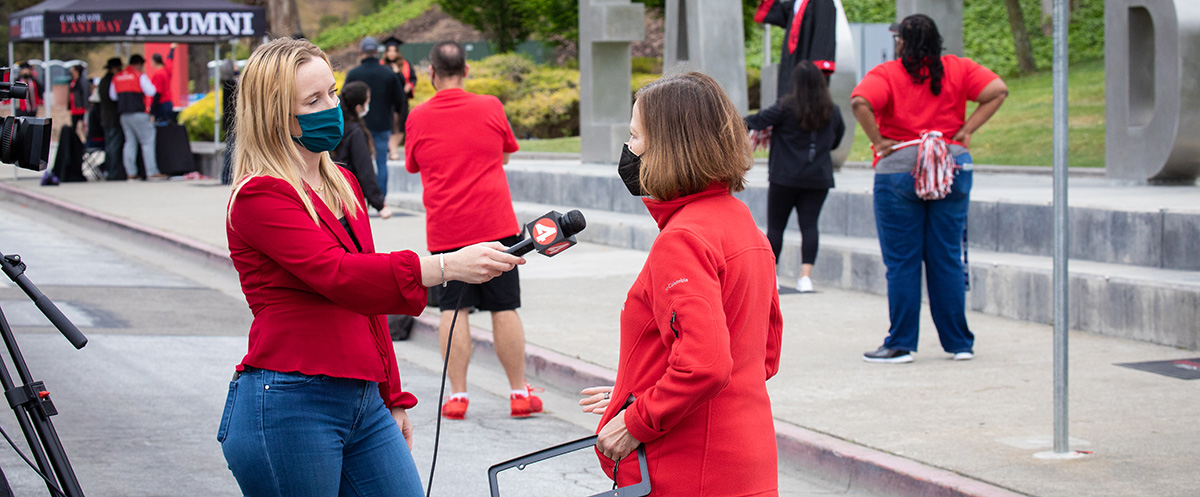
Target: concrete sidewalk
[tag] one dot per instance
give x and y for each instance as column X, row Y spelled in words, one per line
column 934, row 427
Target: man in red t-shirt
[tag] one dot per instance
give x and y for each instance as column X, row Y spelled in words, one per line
column 459, row 142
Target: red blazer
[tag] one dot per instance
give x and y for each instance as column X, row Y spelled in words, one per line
column 317, row 300
column 700, row 335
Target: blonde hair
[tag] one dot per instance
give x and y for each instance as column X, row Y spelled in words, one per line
column 694, row 137
column 266, row 94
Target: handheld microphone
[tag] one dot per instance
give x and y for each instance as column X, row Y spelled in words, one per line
column 550, row 234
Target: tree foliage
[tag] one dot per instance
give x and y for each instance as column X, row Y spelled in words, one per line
column 987, row 36
column 556, row 21
column 1020, row 34
column 509, row 22
column 870, row 11
column 503, row 22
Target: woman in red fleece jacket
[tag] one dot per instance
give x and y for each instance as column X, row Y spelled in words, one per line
column 701, row 328
column 316, row 406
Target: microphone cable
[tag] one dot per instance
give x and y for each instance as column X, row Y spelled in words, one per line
column 437, row 432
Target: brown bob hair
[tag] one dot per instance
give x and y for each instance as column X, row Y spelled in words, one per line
column 694, row 137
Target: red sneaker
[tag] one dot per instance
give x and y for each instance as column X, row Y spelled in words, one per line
column 535, row 403
column 455, row 408
column 520, row 406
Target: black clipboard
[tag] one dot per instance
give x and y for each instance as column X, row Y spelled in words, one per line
column 640, row 489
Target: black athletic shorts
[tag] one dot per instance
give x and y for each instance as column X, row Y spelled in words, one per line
column 502, row 293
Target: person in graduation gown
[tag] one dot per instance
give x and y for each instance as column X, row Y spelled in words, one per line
column 810, row 33
column 408, row 78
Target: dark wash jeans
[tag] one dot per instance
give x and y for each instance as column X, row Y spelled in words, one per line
column 290, row 434
column 914, row 231
column 381, row 157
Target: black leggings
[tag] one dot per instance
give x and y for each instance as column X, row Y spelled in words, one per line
column 807, row 202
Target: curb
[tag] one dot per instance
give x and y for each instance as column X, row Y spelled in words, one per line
column 823, row 455
column 182, row 244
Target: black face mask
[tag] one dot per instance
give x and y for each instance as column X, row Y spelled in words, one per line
column 630, row 169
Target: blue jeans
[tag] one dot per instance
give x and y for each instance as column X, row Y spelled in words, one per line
column 290, row 434
column 381, row 156
column 914, row 231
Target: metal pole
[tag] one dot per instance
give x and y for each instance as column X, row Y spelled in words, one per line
column 1061, row 239
column 12, row 102
column 766, row 45
column 216, row 89
column 47, row 95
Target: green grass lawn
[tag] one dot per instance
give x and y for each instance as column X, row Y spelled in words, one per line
column 1021, row 132
column 569, row 144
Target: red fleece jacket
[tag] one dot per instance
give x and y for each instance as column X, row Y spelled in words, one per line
column 318, row 301
column 700, row 336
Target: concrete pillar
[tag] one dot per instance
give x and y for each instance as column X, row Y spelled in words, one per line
column 606, row 29
column 946, row 13
column 1152, row 98
column 707, row 36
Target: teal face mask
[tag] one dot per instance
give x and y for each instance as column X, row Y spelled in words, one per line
column 321, row 131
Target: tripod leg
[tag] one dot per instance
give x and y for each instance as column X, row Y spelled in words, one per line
column 5, row 490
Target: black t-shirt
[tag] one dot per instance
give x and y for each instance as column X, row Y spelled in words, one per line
column 346, row 224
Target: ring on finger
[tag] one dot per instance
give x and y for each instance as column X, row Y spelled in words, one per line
column 606, row 395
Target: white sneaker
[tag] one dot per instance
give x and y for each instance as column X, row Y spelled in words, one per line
column 804, row 285
column 964, row 356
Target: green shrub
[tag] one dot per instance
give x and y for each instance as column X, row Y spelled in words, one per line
column 198, row 119
column 500, row 88
column 649, row 65
column 548, row 106
column 510, row 66
column 549, row 79
column 545, row 115
column 639, row 80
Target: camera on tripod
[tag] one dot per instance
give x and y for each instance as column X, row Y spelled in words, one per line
column 24, row 141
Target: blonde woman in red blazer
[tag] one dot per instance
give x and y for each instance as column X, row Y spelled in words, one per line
column 316, row 407
column 701, row 327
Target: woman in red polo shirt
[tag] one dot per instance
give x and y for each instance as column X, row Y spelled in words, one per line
column 316, row 407
column 923, row 95
column 701, row 328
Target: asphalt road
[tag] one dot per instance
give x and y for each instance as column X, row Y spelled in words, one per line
column 140, row 404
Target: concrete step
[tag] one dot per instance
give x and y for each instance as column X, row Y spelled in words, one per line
column 1160, row 306
column 1111, row 222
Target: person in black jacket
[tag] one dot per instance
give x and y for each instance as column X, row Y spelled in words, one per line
column 806, row 127
column 356, row 150
column 810, row 33
column 114, row 136
column 77, row 96
column 388, row 92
